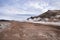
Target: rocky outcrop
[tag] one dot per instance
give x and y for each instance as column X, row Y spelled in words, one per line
column 50, row 15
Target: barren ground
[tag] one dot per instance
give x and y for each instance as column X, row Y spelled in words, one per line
column 28, row 31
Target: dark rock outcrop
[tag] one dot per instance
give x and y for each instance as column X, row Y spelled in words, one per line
column 3, row 20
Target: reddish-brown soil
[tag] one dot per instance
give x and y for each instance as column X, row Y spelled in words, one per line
column 30, row 31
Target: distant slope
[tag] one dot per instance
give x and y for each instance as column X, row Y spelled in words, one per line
column 50, row 15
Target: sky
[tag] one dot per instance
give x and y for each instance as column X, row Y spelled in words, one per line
column 22, row 9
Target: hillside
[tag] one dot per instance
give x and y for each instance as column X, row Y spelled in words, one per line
column 50, row 16
column 15, row 30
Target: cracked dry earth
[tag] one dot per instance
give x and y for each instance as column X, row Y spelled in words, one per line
column 29, row 31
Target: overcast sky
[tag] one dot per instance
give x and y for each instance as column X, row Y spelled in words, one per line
column 20, row 9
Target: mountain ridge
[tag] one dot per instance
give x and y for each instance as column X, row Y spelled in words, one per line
column 50, row 15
